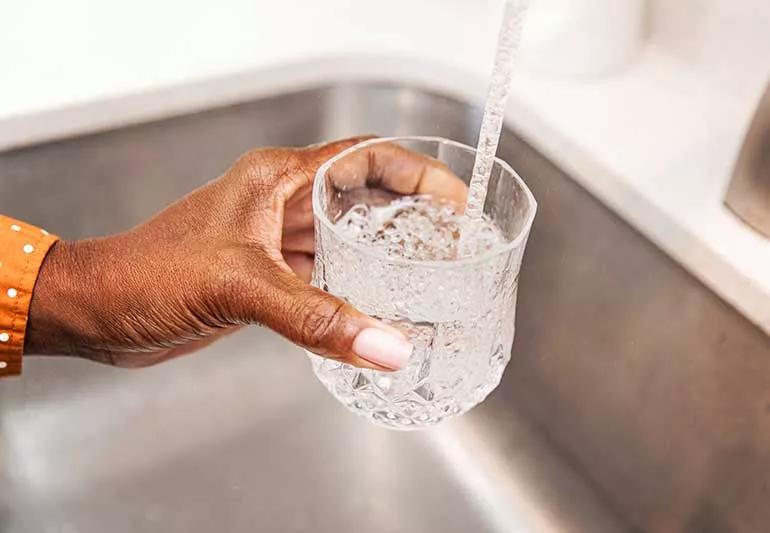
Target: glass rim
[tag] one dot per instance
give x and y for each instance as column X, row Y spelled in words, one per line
column 321, row 215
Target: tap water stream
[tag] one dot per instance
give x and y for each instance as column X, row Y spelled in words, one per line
column 494, row 113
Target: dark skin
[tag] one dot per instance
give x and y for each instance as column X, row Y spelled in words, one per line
column 237, row 251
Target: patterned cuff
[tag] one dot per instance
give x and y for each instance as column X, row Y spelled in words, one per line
column 22, row 251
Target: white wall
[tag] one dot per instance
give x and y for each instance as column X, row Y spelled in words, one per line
column 55, row 52
column 693, row 34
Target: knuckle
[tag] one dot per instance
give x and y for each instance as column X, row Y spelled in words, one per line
column 320, row 320
column 248, row 165
column 254, row 165
column 271, row 172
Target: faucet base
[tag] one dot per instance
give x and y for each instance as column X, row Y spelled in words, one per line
column 748, row 195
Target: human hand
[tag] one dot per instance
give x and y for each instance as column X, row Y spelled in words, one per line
column 236, row 251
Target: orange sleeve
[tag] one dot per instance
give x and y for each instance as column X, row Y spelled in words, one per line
column 22, row 250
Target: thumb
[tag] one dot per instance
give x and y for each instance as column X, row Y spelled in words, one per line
column 328, row 326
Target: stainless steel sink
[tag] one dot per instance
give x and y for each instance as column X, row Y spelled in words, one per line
column 636, row 400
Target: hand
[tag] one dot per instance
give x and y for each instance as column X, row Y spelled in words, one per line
column 237, row 251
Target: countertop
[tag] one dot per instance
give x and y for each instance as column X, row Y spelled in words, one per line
column 656, row 140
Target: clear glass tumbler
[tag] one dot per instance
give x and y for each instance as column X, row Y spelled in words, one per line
column 459, row 314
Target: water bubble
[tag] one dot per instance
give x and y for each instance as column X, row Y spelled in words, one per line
column 414, row 227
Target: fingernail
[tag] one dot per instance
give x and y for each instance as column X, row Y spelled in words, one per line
column 382, row 348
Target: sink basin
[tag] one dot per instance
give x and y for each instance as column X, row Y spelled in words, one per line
column 636, row 400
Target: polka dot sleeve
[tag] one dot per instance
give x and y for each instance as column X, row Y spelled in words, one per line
column 22, row 250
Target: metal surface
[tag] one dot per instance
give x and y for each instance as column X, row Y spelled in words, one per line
column 748, row 195
column 636, row 400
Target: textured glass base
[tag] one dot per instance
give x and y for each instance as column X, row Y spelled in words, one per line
column 397, row 401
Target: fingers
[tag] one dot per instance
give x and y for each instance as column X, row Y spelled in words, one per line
column 298, row 209
column 319, row 154
column 386, row 167
column 299, row 241
column 289, row 170
column 326, row 325
column 298, row 212
column 301, row 264
column 316, row 155
column 393, row 167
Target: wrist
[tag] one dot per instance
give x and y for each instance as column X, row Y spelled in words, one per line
column 63, row 315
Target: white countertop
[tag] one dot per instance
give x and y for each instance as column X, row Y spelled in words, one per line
column 655, row 141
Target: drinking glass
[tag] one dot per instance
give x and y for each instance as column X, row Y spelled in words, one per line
column 459, row 314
